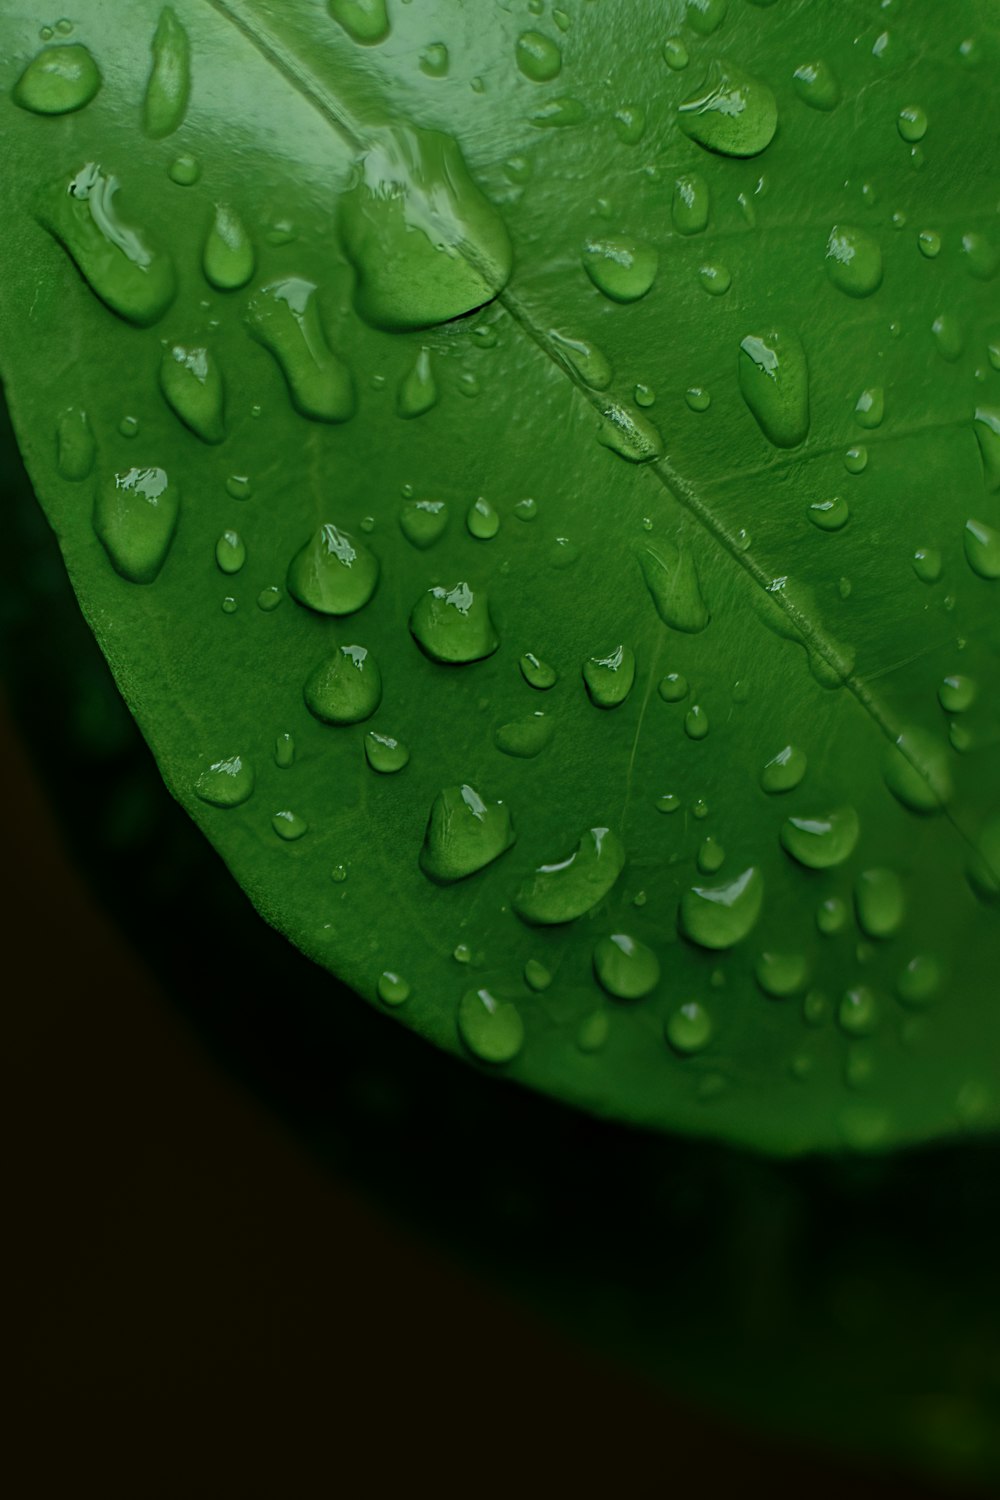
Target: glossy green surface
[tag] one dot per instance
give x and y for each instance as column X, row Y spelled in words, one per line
column 313, row 191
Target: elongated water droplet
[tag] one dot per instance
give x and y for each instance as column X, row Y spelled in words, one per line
column 538, row 57
column 719, row 916
column 917, row 772
column 289, row 825
column 346, row 688
column 630, row 434
column 623, row 269
column 135, row 516
column 191, row 382
column 453, row 625
column 569, row 888
column 879, row 903
column 365, row 21
column 425, row 243
column 284, row 751
column 526, row 737
column 226, row 783
column 492, row 1029
column 731, row 113
column 392, row 988
column 830, row 515
column 481, row 520
column 784, row 771
column 982, row 548
column 423, row 522
column 691, row 203
column 134, row 280
column 854, row 260
column 58, row 81
column 384, row 753
column 418, row 391
column 284, row 318
column 464, row 834
column 536, row 673
column 782, row 974
column 696, row 723
column 672, row 580
column 689, row 1029
column 170, row 77
column 858, row 1012
column 230, row 552
column 869, row 409
column 75, row 447
column 816, row 85
column 986, row 425
column 675, row 54
column 228, row 258
column 583, row 358
column 774, row 380
column 823, row 840
column 609, row 678
column 333, row 573
column 625, row 967
column 948, row 337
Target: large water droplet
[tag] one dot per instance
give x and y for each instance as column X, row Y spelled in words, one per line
column 784, row 771
column 135, row 516
column 492, row 1029
column 228, row 258
column 453, row 625
column 418, row 391
column 854, row 260
column 75, row 447
column 689, row 1029
column 57, row 81
column 879, row 902
column 135, row 281
column 365, row 21
column 191, row 382
column 583, row 358
column 917, row 772
column 816, row 85
column 424, row 241
column 731, row 113
column 569, row 888
column 691, row 203
column 464, row 834
column 384, row 753
column 986, row 426
column 169, row 82
column 672, row 580
column 538, row 57
column 774, row 380
column 623, row 269
column 526, row 737
column 822, row 841
column 284, row 317
column 609, row 678
column 625, row 967
column 333, row 574
column 226, row 783
column 423, row 522
column 718, row 916
column 346, row 688
column 982, row 548
column 630, row 434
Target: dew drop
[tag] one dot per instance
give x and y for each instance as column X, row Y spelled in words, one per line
column 559, row 114
column 715, row 279
column 979, row 256
column 668, row 802
column 623, row 269
column 869, row 409
column 948, row 337
column 333, row 573
column 536, row 673
column 284, row 318
column 711, row 856
column 434, row 60
column 689, row 1029
column 644, row 395
column 417, row 392
column 230, row 552
column 929, row 243
column 562, row 891
column 774, row 381
column 630, row 434
column 917, row 773
column 732, row 113
column 526, row 737
column 879, row 903
column 630, row 123
column 584, row 359
column 135, row 516
column 492, row 1029
column 57, row 81
column 697, row 398
column 238, row 486
column 822, row 841
column 453, row 625
column 858, row 1011
column 226, row 783
column 169, row 82
column 911, row 122
column 184, row 170
column 927, row 564
column 982, row 549
column 536, row 976
column 365, row 21
column 464, row 835
column 345, row 688
column 784, row 771
column 920, row 980
column 782, row 974
column 269, row 598
column 696, row 723
column 829, row 515
column 831, row 916
column 289, row 825
column 526, row 509
column 673, row 687
column 815, row 1008
column 538, row 57
column 481, row 520
column 719, row 916
column 691, row 203
column 284, row 751
column 75, row 446
column 986, row 426
column 854, row 260
column 816, row 85
column 957, row 694
column 227, row 258
column 229, row 605
column 592, row 1032
column 423, row 522
column 675, row 54
column 856, row 459
column 392, row 988
column 191, row 382
column 626, row 968
column 609, row 678
column 705, row 16
column 385, row 754
column 672, row 580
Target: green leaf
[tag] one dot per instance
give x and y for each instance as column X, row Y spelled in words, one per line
column 399, row 382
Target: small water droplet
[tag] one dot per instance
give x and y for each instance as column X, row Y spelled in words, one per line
column 668, row 802
column 57, row 81
column 911, row 122
column 526, row 509
column 916, row 771
column 831, row 916
column 339, row 874
column 689, row 1029
column 191, row 382
column 536, row 673
column 417, row 391
column 453, row 625
column 630, row 123
column 626, row 968
column 731, row 113
column 559, row 114
column 711, row 856
column 434, row 60
column 675, row 54
column 854, row 260
column 869, row 409
column 536, row 976
column 135, row 516
column 856, row 459
column 879, row 903
column 986, row 426
column 782, row 974
column 583, row 358
column 269, row 598
column 623, row 269
column 696, row 723
column 169, row 83
column 691, row 203
column 672, row 580
column 957, row 694
column 858, row 1011
column 920, row 981
column 226, row 783
column 365, row 21
column 75, row 446
column 345, row 688
column 774, row 381
column 333, row 573
column 673, row 687
column 829, row 515
column 284, row 318
column 538, row 57
column 697, row 398
column 630, row 434
column 816, row 85
column 423, row 522
column 384, row 753
column 184, row 170
column 784, row 771
column 929, row 243
column 492, row 1029
column 230, row 552
column 526, row 737
column 289, row 825
column 284, row 751
column 705, row 16
column 927, row 564
column 238, row 486
column 592, row 1032
column 609, row 678
column 227, row 258
column 948, row 336
column 822, row 841
column 715, row 279
column 644, row 395
column 229, row 605
column 392, row 988
column 482, row 520
column 982, row 548
column 719, row 916
column 567, row 889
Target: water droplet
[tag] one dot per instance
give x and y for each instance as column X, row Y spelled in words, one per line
column 526, row 737
column 238, row 486
column 784, row 771
column 673, row 687
column 135, row 516
column 920, row 980
column 696, row 723
column 384, row 753
column 705, row 16
column 418, row 391
column 816, row 85
column 630, row 123
column 719, row 916
column 57, row 81
column 626, row 968
column 782, row 974
column 228, row 258
column 464, row 834
column 392, row 988
column 135, row 281
column 700, row 808
column 675, row 54
column 644, row 396
column 911, row 122
column 869, row 409
column 822, row 841
column 609, row 678
column 831, row 916
column 731, row 113
column 537, row 674
column 289, row 825
column 948, row 336
column 672, row 580
column 339, row 874
column 454, row 625
column 829, row 515
column 284, row 751
column 957, row 694
column 346, row 688
column 481, row 520
column 526, row 509
column 583, row 358
column 269, row 598
column 423, row 522
column 815, row 1008
column 927, row 564
column 592, row 1032
column 191, row 382
column 858, row 1011
column 229, row 605
column 538, row 57
column 230, row 552
column 365, row 21
column 879, row 903
column 284, row 318
column 629, row 434
column 669, row 802
column 184, row 170
column 226, row 783
column 982, row 548
column 697, row 398
column 856, row 459
column 169, row 84
column 559, row 114
column 492, row 1029
column 986, row 426
column 332, row 573
column 536, row 976
column 711, row 856
column 689, row 1029
column 916, row 771
column 569, row 888
column 75, row 446
column 691, row 203
column 434, row 60
column 774, row 380
column 623, row 269
column 425, row 243
column 854, row 260
column 929, row 243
